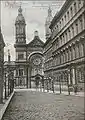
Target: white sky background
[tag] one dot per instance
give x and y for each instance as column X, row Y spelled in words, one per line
column 35, row 14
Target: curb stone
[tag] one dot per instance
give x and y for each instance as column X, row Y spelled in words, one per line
column 2, row 111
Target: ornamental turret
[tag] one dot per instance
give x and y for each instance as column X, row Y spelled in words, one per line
column 47, row 23
column 20, row 28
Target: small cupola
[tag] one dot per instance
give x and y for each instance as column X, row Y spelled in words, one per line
column 20, row 18
column 35, row 33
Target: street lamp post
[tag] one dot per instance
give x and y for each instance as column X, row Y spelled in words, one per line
column 47, row 85
column 27, row 77
column 8, row 84
column 52, row 85
column 68, row 81
column 26, row 69
column 60, row 82
column 43, row 83
column 5, row 87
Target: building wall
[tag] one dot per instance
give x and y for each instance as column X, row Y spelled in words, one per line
column 1, row 66
column 68, row 29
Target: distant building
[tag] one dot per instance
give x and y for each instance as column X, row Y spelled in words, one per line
column 2, row 45
column 29, row 57
column 64, row 50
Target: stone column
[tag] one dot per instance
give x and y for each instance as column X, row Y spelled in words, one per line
column 67, row 54
column 69, row 77
column 77, row 49
column 74, row 75
column 70, row 53
column 83, row 43
column 63, row 56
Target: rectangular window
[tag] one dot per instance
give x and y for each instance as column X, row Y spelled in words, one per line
column 20, row 56
column 60, row 25
column 66, row 37
column 63, row 39
column 20, row 72
column 62, row 22
column 73, row 31
column 81, row 23
column 69, row 33
column 68, row 15
column 65, row 18
column 71, row 12
column 75, row 8
column 79, row 4
column 16, row 72
column 76, row 28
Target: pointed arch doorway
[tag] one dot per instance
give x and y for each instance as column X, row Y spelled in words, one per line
column 36, row 81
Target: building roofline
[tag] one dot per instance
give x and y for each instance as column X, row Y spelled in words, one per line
column 47, row 41
column 57, row 15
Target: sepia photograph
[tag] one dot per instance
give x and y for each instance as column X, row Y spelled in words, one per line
column 42, row 59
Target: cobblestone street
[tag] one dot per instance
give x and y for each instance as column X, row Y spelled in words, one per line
column 32, row 105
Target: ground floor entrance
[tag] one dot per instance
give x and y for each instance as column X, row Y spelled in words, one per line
column 36, row 81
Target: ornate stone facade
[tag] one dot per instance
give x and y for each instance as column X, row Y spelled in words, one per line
column 2, row 45
column 64, row 50
column 29, row 57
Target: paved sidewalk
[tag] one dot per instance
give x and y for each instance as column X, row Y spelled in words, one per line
column 34, row 105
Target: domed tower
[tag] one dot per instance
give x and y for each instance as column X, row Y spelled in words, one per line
column 47, row 23
column 20, row 28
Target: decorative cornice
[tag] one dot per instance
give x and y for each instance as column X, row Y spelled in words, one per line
column 57, row 16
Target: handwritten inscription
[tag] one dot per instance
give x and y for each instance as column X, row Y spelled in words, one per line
column 40, row 4
column 11, row 4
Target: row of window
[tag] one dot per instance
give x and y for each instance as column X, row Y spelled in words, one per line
column 75, row 51
column 79, row 76
column 20, row 72
column 72, row 31
column 74, row 8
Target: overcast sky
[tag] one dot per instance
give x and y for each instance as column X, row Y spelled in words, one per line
column 35, row 14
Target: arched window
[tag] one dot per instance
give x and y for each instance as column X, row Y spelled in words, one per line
column 72, row 31
column 75, row 7
column 71, row 12
column 76, row 28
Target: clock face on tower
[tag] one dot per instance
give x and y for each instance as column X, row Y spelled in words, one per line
column 37, row 61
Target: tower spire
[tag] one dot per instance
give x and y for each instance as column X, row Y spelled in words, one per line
column 20, row 10
column 20, row 27
column 47, row 23
column 49, row 11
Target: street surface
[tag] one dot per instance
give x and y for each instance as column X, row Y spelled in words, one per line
column 32, row 105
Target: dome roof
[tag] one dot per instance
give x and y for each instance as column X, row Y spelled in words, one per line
column 20, row 17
